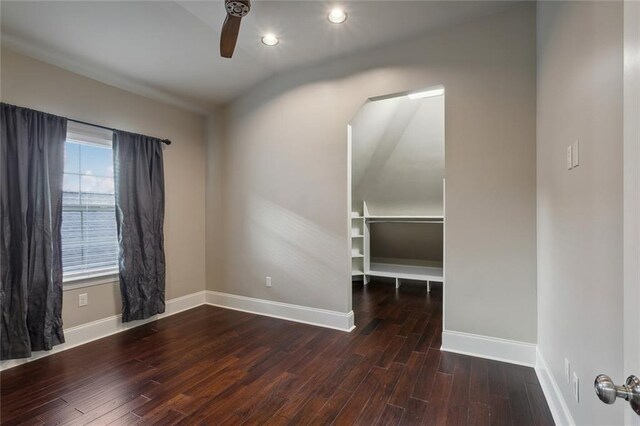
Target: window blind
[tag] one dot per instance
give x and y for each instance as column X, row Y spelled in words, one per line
column 89, row 235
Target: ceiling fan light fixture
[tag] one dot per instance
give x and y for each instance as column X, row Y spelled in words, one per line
column 337, row 16
column 270, row 39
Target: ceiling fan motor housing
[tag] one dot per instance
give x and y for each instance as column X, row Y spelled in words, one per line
column 238, row 8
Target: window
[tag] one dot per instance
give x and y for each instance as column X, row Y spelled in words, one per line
column 89, row 236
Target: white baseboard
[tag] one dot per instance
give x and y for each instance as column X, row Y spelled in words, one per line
column 555, row 400
column 521, row 353
column 104, row 327
column 319, row 317
column 489, row 347
column 85, row 333
column 452, row 341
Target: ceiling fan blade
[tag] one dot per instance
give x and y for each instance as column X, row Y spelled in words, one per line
column 229, row 35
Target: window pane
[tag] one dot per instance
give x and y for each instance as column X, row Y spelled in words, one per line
column 97, row 199
column 96, row 185
column 89, row 236
column 96, row 160
column 72, row 157
column 70, row 189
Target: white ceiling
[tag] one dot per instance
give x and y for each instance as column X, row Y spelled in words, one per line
column 169, row 50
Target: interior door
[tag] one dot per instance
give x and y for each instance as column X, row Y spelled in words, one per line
column 608, row 389
column 631, row 174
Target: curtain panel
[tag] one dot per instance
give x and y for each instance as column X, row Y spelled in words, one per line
column 139, row 189
column 31, row 173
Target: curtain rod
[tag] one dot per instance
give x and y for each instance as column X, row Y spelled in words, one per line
column 164, row 141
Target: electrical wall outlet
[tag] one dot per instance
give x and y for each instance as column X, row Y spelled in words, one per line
column 569, row 157
column 576, row 386
column 83, row 299
column 567, row 371
column 268, row 282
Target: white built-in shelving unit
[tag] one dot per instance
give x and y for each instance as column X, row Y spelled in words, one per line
column 357, row 245
column 397, row 271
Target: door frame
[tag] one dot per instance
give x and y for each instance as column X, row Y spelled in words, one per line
column 631, row 197
column 349, row 145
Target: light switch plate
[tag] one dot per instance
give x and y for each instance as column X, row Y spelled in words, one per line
column 569, row 157
column 575, row 154
column 576, row 387
column 567, row 371
column 268, row 282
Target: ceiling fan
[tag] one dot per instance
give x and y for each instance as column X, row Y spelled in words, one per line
column 236, row 9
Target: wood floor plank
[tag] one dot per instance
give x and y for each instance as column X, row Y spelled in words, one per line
column 330, row 410
column 378, row 401
column 479, row 381
column 518, row 398
column 539, row 408
column 209, row 365
column 351, row 411
column 391, row 351
column 458, row 400
column 408, row 346
column 415, row 412
column 391, row 416
column 478, row 414
column 404, row 388
column 499, row 411
column 426, row 376
column 440, row 399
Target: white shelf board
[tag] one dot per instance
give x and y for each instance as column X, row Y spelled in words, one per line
column 357, row 255
column 406, row 217
column 356, row 236
column 356, row 273
column 407, row 272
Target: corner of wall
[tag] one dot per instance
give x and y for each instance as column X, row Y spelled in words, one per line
column 214, row 231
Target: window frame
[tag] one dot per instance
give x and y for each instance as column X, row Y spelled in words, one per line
column 89, row 135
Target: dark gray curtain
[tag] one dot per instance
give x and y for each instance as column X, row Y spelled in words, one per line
column 139, row 188
column 31, row 169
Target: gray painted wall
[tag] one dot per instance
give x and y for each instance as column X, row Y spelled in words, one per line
column 34, row 84
column 397, row 156
column 284, row 209
column 420, row 243
column 397, row 167
column 580, row 211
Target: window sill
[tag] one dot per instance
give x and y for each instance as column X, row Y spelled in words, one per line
column 82, row 282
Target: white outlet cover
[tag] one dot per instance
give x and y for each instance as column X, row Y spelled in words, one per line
column 83, row 299
column 567, row 371
column 268, row 282
column 576, row 387
column 569, row 157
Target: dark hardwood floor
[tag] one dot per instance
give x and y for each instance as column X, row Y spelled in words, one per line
column 215, row 366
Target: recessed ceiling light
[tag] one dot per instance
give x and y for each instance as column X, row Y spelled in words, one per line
column 426, row 94
column 337, row 16
column 270, row 39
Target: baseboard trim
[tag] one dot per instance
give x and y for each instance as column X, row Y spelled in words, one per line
column 510, row 351
column 452, row 341
column 286, row 311
column 85, row 333
column 555, row 400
